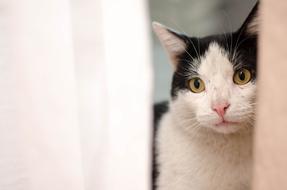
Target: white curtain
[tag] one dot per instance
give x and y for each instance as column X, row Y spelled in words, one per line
column 75, row 83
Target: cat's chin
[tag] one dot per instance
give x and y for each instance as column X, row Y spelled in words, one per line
column 226, row 127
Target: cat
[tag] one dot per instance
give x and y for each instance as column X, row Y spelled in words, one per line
column 204, row 135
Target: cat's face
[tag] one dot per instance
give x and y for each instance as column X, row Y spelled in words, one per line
column 214, row 82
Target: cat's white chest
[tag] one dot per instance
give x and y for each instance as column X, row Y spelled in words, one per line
column 202, row 163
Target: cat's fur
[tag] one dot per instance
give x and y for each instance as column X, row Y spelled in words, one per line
column 192, row 153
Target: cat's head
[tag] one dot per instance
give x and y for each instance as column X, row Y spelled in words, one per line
column 214, row 81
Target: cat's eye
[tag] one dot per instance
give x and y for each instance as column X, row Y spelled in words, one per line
column 242, row 76
column 196, row 85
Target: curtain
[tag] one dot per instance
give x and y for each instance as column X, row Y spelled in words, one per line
column 270, row 141
column 75, row 83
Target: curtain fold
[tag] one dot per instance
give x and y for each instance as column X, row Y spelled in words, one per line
column 41, row 65
column 129, row 93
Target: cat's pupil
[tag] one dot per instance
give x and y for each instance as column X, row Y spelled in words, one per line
column 242, row 75
column 196, row 83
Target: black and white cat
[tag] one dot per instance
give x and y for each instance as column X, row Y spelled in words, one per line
column 204, row 137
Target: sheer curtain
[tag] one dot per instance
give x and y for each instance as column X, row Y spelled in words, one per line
column 75, row 82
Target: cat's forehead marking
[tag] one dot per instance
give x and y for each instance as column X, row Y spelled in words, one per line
column 215, row 61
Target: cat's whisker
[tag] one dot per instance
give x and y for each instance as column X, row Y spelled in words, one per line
column 243, row 40
column 198, row 46
column 231, row 28
column 195, row 49
column 226, row 40
column 237, row 41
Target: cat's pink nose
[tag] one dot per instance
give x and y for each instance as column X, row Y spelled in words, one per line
column 220, row 109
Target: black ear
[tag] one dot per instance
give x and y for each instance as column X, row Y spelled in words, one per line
column 251, row 24
column 173, row 42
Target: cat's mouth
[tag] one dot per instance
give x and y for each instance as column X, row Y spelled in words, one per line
column 225, row 123
column 226, row 127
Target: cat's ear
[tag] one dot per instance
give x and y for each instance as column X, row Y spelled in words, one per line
column 173, row 42
column 251, row 24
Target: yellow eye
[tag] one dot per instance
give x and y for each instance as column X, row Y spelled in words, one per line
column 241, row 77
column 196, row 85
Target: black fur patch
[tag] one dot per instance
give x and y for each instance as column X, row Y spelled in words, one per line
column 159, row 110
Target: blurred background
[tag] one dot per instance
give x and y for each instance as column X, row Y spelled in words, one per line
column 195, row 18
